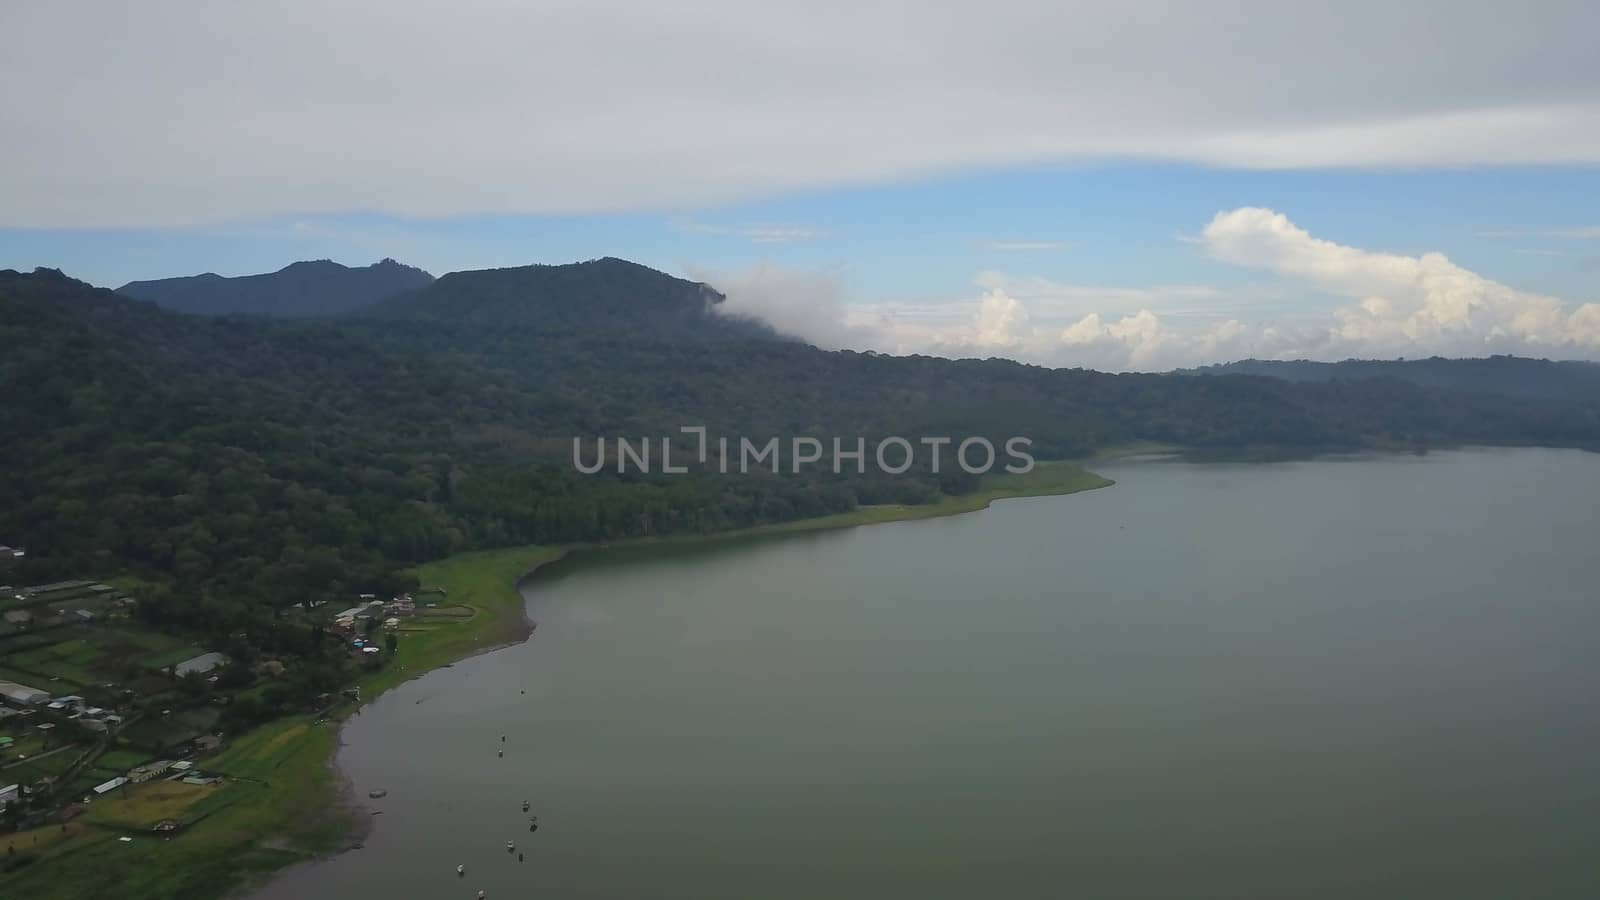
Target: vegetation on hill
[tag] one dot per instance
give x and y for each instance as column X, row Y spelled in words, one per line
column 610, row 295
column 1512, row 376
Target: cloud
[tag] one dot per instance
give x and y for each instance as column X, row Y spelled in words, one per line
column 808, row 305
column 1402, row 303
column 1384, row 305
column 1023, row 246
column 755, row 234
column 1579, row 232
column 224, row 112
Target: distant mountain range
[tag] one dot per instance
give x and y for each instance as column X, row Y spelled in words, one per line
column 611, row 296
column 603, row 295
column 1511, row 376
column 303, row 289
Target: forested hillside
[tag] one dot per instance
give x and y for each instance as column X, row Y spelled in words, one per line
column 1511, row 376
column 245, row 464
column 600, row 295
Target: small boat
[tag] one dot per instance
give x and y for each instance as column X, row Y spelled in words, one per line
column 510, row 845
column 375, row 794
column 461, row 870
column 526, row 806
column 501, row 753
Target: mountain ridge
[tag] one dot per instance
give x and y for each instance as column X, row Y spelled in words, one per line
column 606, row 294
column 1511, row 376
column 302, row 289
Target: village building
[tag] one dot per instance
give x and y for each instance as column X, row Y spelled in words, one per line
column 18, row 617
column 111, row 785
column 141, row 774
column 201, row 664
column 22, row 695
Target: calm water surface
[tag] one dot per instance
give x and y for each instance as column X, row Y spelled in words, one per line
column 1374, row 678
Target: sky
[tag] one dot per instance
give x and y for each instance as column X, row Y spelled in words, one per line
column 1136, row 185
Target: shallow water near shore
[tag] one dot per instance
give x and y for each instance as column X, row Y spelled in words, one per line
column 1342, row 678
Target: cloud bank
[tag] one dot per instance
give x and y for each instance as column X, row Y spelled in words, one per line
column 188, row 112
column 1390, row 305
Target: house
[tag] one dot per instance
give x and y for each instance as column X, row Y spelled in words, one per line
column 201, row 664
column 84, row 615
column 22, row 695
column 207, row 742
column 9, row 793
column 111, row 785
column 149, row 770
column 18, row 617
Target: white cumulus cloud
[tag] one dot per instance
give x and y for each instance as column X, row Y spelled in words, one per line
column 1392, row 305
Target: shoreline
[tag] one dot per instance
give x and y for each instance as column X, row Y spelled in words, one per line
column 542, row 556
column 289, row 803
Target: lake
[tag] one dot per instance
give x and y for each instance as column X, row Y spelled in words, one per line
column 1372, row 677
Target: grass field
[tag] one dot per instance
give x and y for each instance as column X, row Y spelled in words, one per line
column 275, row 811
column 84, row 655
column 137, row 807
column 121, row 760
column 41, row 844
column 480, row 608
